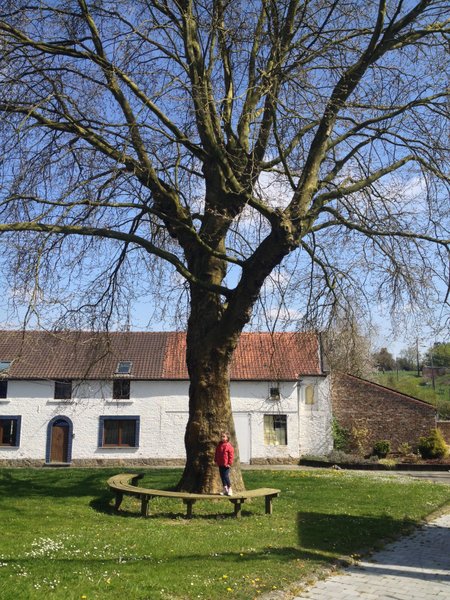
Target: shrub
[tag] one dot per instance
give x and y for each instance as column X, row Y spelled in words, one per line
column 389, row 463
column 382, row 448
column 433, row 446
column 338, row 456
column 341, row 436
column 404, row 449
column 358, row 439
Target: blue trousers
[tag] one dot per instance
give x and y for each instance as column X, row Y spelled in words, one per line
column 225, row 476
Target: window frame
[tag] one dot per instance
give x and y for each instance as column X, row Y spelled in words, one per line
column 270, row 436
column 3, row 388
column 101, row 434
column 18, row 425
column 61, row 386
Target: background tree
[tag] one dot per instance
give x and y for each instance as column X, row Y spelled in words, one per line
column 233, row 148
column 438, row 355
column 347, row 348
column 384, row 360
column 407, row 360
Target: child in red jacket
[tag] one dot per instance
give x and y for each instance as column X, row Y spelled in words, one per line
column 224, row 460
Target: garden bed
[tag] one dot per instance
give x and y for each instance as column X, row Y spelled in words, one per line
column 376, row 466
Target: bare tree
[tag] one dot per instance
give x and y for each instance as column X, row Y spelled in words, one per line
column 226, row 140
column 347, row 347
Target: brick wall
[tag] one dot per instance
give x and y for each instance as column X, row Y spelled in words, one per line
column 444, row 426
column 380, row 412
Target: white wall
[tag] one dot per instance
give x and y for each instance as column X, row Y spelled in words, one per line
column 163, row 409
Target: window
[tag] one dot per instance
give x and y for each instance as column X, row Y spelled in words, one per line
column 275, row 430
column 63, row 389
column 124, row 367
column 10, row 431
column 309, row 395
column 274, row 394
column 119, row 432
column 4, row 366
column 121, row 389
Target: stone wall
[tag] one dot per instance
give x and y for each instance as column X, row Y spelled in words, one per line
column 378, row 413
column 444, row 426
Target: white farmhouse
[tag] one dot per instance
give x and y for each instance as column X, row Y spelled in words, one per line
column 85, row 398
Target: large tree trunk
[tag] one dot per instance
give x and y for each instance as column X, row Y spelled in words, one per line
column 208, row 355
column 212, row 336
column 209, row 415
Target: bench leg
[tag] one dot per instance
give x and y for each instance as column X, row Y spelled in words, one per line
column 118, row 502
column 268, row 505
column 144, row 507
column 237, row 507
column 189, row 504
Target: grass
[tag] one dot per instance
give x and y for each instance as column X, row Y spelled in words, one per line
column 60, row 538
column 407, row 382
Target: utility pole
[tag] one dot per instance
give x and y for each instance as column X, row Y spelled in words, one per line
column 417, row 357
column 432, row 369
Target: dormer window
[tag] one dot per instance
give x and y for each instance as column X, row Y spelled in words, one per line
column 4, row 365
column 124, row 367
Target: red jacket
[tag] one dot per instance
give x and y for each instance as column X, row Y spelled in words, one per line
column 224, row 454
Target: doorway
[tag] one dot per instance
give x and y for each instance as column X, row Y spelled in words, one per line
column 59, row 437
column 243, row 434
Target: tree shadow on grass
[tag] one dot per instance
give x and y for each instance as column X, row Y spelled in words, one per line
column 104, row 504
column 67, row 482
column 51, row 483
column 347, row 534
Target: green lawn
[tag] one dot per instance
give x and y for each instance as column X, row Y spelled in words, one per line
column 60, row 538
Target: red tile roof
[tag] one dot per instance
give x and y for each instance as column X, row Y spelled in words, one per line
column 154, row 355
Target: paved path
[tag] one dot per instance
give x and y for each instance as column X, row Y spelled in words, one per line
column 416, row 567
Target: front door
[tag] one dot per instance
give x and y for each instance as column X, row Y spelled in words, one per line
column 59, row 442
column 243, row 434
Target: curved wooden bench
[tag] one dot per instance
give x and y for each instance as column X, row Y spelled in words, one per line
column 126, row 484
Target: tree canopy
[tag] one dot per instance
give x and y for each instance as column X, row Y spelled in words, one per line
column 384, row 360
column 233, row 132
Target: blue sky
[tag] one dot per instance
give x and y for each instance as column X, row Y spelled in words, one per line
column 394, row 338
